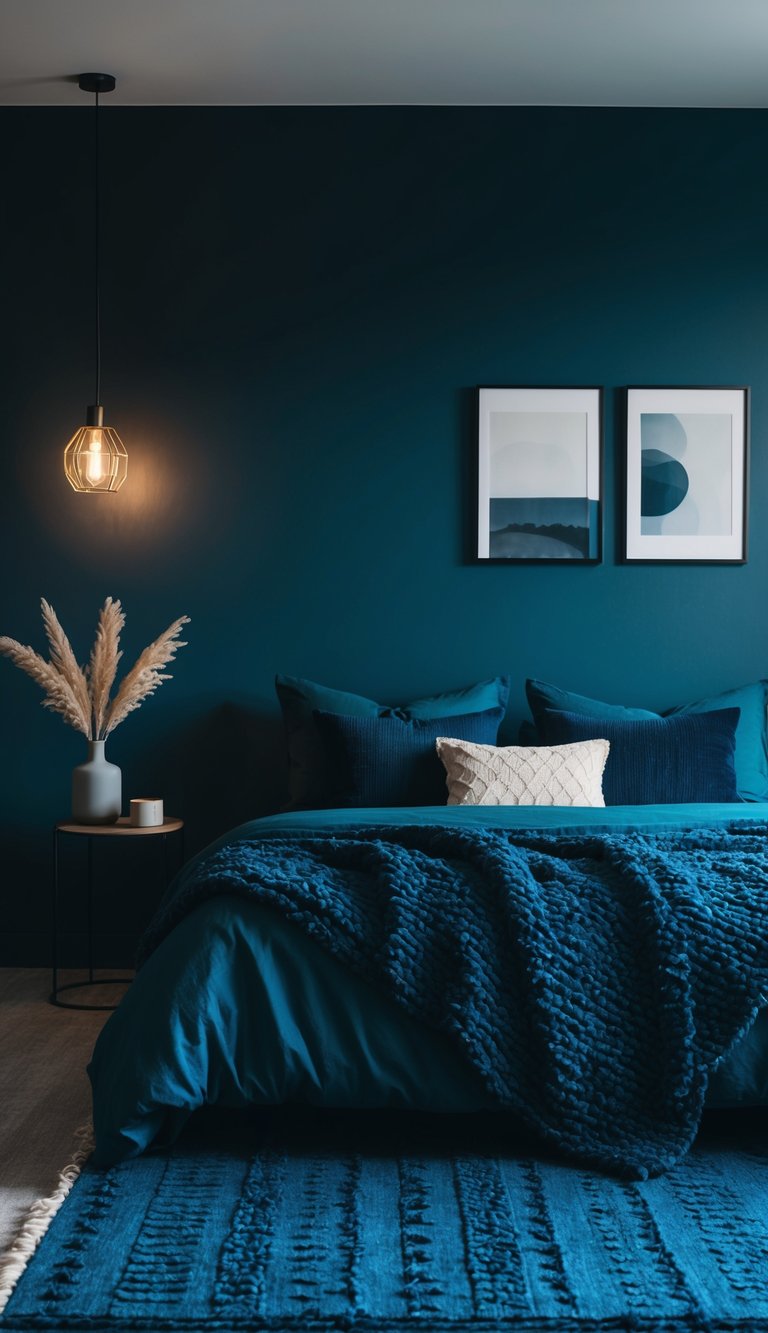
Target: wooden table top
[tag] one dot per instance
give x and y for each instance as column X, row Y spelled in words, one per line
column 122, row 828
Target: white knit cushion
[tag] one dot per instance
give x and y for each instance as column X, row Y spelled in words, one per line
column 524, row 775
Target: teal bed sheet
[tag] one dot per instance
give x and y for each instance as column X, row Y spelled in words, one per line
column 237, row 1008
column 552, row 818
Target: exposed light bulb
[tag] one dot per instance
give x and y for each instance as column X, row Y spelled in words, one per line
column 94, row 468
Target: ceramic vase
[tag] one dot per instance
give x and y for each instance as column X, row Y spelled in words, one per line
column 97, row 788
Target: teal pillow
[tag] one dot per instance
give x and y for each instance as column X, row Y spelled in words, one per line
column 314, row 778
column 542, row 696
column 751, row 758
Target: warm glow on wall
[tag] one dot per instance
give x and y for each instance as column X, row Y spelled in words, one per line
column 95, row 459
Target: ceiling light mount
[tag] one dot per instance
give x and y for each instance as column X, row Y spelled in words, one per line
column 96, row 83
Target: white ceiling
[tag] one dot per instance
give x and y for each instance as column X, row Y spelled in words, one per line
column 423, row 52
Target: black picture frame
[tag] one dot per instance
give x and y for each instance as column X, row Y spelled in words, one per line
column 552, row 496
column 698, row 457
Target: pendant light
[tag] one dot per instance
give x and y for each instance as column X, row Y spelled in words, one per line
column 95, row 459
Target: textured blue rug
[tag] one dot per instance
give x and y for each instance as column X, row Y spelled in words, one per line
column 384, row 1225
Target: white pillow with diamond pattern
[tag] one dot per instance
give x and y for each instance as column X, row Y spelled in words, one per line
column 522, row 774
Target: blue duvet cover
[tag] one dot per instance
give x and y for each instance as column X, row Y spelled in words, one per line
column 238, row 1007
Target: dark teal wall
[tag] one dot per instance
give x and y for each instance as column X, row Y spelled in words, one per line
column 297, row 305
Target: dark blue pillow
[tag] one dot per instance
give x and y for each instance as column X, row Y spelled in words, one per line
column 312, row 778
column 751, row 759
column 659, row 760
column 393, row 760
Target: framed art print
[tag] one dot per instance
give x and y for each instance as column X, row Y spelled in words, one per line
column 687, row 475
column 539, row 475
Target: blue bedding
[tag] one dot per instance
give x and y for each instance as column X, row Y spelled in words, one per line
column 238, row 1007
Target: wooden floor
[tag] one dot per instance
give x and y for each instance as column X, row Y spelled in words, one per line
column 44, row 1090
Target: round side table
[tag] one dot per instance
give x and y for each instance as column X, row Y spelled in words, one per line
column 121, row 829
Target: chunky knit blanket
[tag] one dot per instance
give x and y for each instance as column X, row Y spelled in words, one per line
column 593, row 982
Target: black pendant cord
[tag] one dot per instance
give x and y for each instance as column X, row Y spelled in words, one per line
column 97, row 249
column 97, row 84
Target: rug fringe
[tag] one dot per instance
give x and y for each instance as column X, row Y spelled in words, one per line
column 40, row 1215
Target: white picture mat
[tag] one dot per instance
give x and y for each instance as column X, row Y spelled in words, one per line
column 700, row 402
column 526, row 402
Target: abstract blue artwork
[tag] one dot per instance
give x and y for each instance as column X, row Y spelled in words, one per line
column 539, row 474
column 686, row 474
column 665, row 481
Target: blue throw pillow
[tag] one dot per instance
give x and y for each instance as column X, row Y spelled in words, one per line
column 313, row 774
column 751, row 758
column 751, row 734
column 391, row 760
column 658, row 760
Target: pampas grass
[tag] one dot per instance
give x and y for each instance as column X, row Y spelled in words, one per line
column 63, row 659
column 105, row 655
column 60, row 695
column 146, row 674
column 82, row 695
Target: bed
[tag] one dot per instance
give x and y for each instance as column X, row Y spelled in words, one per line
column 237, row 1006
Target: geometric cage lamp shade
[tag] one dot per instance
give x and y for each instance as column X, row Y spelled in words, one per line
column 95, row 458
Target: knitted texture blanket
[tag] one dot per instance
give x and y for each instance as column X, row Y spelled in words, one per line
column 593, row 982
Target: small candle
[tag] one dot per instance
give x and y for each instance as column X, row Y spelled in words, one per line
column 146, row 812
